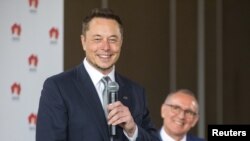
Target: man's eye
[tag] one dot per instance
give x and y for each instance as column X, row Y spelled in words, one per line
column 190, row 112
column 112, row 40
column 97, row 39
column 176, row 107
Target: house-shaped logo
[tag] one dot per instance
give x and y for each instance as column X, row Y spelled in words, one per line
column 16, row 31
column 33, row 4
column 15, row 90
column 33, row 62
column 32, row 120
column 54, row 35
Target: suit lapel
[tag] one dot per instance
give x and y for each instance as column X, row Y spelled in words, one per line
column 123, row 94
column 90, row 97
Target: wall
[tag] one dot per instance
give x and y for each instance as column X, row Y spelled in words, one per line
column 145, row 54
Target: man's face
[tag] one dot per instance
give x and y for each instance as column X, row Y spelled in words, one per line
column 177, row 122
column 102, row 43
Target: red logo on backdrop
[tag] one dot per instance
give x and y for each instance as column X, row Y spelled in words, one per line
column 15, row 90
column 33, row 61
column 53, row 34
column 33, row 4
column 16, row 31
column 32, row 120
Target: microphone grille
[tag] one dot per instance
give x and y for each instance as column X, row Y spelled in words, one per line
column 113, row 86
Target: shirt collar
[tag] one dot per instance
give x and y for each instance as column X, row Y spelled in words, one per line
column 166, row 137
column 95, row 75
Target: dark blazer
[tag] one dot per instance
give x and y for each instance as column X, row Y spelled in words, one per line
column 189, row 138
column 194, row 138
column 70, row 109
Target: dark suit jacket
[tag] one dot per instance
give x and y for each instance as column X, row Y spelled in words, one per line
column 193, row 138
column 70, row 109
column 190, row 138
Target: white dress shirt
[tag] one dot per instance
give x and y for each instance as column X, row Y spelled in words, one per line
column 166, row 137
column 96, row 76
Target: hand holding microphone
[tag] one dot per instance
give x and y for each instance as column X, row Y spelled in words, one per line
column 119, row 114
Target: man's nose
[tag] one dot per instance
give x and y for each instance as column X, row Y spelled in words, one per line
column 181, row 114
column 105, row 44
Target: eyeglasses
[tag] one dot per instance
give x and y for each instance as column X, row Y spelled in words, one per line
column 177, row 110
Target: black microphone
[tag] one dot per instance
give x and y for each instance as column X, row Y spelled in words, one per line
column 113, row 88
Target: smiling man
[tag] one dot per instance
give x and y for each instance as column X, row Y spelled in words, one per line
column 180, row 114
column 72, row 104
column 102, row 43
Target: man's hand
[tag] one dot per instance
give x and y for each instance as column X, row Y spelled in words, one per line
column 120, row 115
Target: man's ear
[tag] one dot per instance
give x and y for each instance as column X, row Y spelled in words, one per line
column 163, row 109
column 83, row 42
column 195, row 120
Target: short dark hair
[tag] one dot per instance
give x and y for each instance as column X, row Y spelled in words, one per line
column 101, row 13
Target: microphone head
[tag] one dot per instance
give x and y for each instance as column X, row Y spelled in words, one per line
column 113, row 86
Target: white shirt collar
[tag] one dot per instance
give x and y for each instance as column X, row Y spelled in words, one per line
column 166, row 137
column 95, row 75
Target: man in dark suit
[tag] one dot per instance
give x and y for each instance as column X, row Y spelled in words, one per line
column 71, row 104
column 180, row 114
